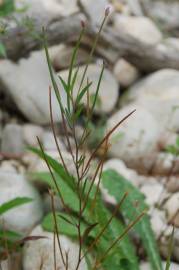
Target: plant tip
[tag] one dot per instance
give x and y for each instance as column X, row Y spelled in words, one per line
column 108, row 10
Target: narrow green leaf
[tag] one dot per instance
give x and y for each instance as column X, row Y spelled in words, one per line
column 74, row 80
column 78, row 112
column 55, row 87
column 117, row 186
column 177, row 141
column 88, row 231
column 56, row 166
column 73, row 58
column 67, row 90
column 2, row 50
column 82, row 93
column 14, row 203
column 69, row 117
column 66, row 219
column 65, row 86
column 96, row 96
column 170, row 250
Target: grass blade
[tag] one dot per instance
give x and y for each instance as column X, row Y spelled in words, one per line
column 170, row 250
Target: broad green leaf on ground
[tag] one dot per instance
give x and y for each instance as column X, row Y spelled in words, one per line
column 66, row 225
column 132, row 207
column 14, row 203
column 9, row 235
column 123, row 249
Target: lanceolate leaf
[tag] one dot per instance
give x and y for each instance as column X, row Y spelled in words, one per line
column 65, row 227
column 69, row 196
column 2, row 50
column 122, row 250
column 131, row 208
column 56, row 166
column 88, row 231
column 13, row 203
column 82, row 93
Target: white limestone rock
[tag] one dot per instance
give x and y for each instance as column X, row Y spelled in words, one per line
column 23, row 218
column 28, row 85
column 39, row 254
column 135, row 140
column 141, row 28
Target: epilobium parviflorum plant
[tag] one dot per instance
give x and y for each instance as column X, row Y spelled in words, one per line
column 102, row 235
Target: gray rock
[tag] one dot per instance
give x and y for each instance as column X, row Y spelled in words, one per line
column 47, row 202
column 161, row 84
column 172, row 209
column 172, row 43
column 108, row 93
column 159, row 90
column 4, row 265
column 16, row 137
column 167, row 138
column 148, row 188
column 166, row 13
column 158, row 222
column 13, row 166
column 61, row 56
column 49, row 144
column 135, row 140
column 13, row 262
column 8, row 166
column 39, row 165
column 94, row 10
column 164, row 163
column 135, row 7
column 141, row 28
column 48, row 8
column 36, row 252
column 12, row 139
column 146, row 266
column 23, row 218
column 125, row 73
column 173, row 184
column 165, row 240
column 119, row 166
column 30, row 134
column 30, row 90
